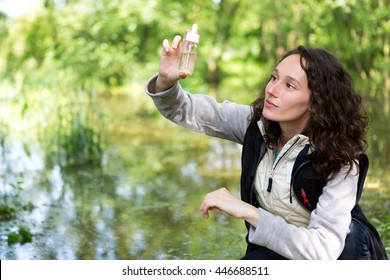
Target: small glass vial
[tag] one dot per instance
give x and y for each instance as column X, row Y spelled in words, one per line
column 188, row 56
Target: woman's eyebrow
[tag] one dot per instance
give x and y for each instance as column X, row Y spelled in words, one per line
column 293, row 79
column 288, row 77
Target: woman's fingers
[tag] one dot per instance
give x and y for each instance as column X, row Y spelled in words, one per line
column 214, row 201
column 205, row 209
column 166, row 45
column 175, row 44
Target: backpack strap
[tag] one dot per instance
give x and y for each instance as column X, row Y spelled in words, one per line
column 363, row 169
column 300, row 158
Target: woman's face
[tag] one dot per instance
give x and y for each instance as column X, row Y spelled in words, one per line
column 287, row 95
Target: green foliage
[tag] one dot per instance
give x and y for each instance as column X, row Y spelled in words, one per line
column 23, row 235
column 11, row 205
column 383, row 228
column 75, row 133
column 7, row 212
column 11, row 210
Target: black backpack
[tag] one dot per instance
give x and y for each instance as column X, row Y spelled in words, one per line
column 307, row 187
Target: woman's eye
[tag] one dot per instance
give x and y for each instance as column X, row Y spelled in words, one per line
column 289, row 86
column 273, row 78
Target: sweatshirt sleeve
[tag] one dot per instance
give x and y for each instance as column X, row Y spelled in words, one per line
column 201, row 113
column 324, row 238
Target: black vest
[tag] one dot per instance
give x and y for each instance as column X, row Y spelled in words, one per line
column 306, row 185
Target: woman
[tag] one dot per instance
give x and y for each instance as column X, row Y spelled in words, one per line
column 309, row 101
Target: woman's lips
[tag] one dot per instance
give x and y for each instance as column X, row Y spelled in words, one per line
column 270, row 104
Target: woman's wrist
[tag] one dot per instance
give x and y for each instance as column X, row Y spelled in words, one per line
column 162, row 84
column 252, row 215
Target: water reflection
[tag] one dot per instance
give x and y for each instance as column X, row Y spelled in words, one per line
column 142, row 204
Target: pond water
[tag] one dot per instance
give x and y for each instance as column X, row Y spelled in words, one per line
column 142, row 202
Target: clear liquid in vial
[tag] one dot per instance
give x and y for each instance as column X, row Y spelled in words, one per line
column 187, row 62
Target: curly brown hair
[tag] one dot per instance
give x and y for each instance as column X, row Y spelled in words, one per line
column 338, row 122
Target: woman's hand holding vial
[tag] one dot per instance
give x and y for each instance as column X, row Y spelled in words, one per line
column 178, row 60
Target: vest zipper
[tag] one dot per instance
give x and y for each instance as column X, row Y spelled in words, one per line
column 270, row 179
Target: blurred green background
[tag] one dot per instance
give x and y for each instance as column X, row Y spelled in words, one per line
column 90, row 170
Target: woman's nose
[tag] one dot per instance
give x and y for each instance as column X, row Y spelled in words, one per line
column 272, row 88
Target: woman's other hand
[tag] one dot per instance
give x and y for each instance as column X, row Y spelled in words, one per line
column 223, row 200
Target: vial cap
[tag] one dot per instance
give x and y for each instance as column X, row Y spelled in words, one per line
column 193, row 35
